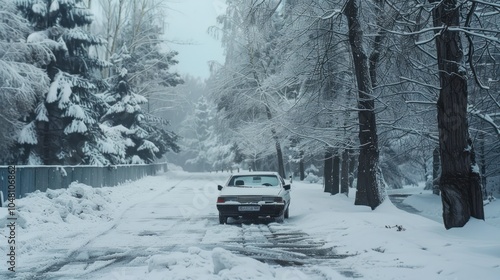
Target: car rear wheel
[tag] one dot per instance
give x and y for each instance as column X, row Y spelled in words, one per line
column 281, row 218
column 222, row 219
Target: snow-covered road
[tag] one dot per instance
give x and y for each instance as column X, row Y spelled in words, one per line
column 160, row 224
column 166, row 227
column 175, row 215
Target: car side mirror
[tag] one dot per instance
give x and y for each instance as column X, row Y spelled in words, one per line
column 287, row 187
column 219, row 187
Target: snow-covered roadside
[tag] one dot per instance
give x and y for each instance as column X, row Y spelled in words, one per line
column 389, row 243
column 383, row 244
column 70, row 218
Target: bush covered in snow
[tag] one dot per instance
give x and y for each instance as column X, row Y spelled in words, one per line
column 312, row 169
column 312, row 174
column 311, row 178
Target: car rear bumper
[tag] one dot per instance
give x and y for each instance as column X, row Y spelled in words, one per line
column 233, row 210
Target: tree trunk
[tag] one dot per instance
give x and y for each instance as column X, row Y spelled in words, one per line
column 279, row 153
column 435, row 171
column 301, row 167
column 460, row 185
column 335, row 174
column 45, row 144
column 368, row 192
column 344, row 173
column 482, row 160
column 352, row 167
column 327, row 171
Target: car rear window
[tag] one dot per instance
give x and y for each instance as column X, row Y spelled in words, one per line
column 254, row 180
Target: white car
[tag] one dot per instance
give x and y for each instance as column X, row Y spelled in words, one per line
column 254, row 195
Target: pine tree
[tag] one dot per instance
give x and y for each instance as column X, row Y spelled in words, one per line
column 141, row 73
column 123, row 109
column 201, row 128
column 65, row 119
column 134, row 136
column 21, row 80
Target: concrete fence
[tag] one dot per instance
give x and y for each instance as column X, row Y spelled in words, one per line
column 31, row 178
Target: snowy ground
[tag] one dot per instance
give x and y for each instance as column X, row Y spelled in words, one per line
column 166, row 227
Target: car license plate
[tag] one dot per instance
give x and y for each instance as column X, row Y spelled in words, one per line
column 249, row 208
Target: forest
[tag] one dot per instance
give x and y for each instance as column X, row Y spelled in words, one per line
column 370, row 94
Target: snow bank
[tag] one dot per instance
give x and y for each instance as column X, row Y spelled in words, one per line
column 77, row 202
column 47, row 218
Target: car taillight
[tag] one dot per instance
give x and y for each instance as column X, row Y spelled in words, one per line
column 220, row 200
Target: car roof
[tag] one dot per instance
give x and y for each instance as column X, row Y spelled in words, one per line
column 255, row 173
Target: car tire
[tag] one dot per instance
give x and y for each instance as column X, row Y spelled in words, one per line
column 222, row 219
column 280, row 219
column 287, row 212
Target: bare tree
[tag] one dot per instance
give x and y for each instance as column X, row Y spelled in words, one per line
column 369, row 190
column 459, row 183
column 242, row 92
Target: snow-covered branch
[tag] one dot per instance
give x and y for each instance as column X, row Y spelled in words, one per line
column 486, row 118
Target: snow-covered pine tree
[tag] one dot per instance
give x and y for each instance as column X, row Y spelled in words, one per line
column 21, row 80
column 123, row 108
column 158, row 134
column 134, row 137
column 199, row 129
column 146, row 72
column 66, row 117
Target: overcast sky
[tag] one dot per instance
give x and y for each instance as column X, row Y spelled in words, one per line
column 188, row 21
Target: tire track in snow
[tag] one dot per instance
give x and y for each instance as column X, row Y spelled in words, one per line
column 284, row 245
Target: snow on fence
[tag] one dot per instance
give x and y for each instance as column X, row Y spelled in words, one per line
column 31, row 178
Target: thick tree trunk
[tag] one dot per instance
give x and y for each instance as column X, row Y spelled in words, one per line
column 368, row 192
column 344, row 173
column 435, row 171
column 460, row 185
column 335, row 173
column 301, row 167
column 327, row 171
column 279, row 153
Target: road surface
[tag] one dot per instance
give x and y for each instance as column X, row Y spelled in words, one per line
column 160, row 224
